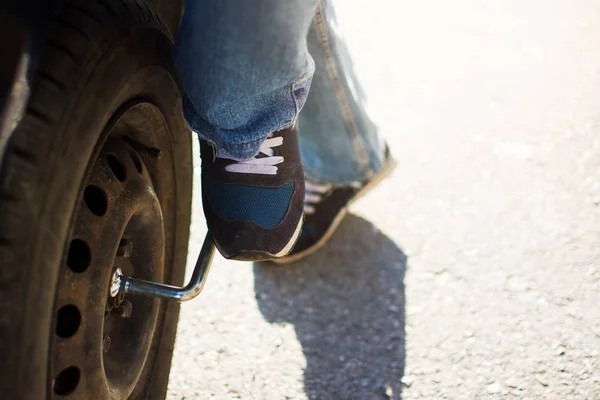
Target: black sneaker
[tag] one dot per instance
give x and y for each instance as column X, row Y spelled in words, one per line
column 254, row 208
column 325, row 207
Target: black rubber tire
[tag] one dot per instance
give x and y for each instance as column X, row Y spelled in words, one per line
column 96, row 46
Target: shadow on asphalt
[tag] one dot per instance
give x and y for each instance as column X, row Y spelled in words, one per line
column 347, row 305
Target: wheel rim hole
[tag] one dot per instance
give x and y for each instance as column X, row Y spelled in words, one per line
column 79, row 256
column 116, row 167
column 66, row 381
column 95, row 199
column 136, row 161
column 68, row 320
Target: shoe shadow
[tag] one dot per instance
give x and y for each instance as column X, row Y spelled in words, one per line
column 346, row 302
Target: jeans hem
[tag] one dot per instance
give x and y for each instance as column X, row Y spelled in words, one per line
column 243, row 144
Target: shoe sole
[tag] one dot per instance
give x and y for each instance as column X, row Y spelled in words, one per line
column 388, row 168
column 266, row 256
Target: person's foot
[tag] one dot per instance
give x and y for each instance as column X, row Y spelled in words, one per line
column 254, row 208
column 325, row 207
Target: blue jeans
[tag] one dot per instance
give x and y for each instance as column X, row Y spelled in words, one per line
column 246, row 67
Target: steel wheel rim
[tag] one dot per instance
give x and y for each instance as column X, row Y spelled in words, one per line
column 100, row 343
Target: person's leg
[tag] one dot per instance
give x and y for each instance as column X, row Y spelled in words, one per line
column 338, row 141
column 342, row 152
column 246, row 71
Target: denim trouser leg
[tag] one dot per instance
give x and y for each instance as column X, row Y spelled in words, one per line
column 246, row 69
column 338, row 141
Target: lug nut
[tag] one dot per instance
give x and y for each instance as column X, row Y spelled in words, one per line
column 125, row 248
column 152, row 152
column 115, row 282
column 125, row 309
column 106, row 344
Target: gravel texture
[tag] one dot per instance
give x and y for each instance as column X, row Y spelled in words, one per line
column 474, row 271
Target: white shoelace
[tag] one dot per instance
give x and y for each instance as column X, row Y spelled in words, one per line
column 313, row 194
column 263, row 165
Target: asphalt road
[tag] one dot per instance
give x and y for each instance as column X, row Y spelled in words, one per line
column 474, row 271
